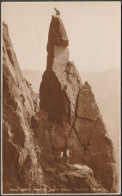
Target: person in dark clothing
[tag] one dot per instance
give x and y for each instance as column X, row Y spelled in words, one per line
column 57, row 12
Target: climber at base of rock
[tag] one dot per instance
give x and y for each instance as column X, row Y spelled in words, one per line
column 62, row 162
column 57, row 12
column 67, row 156
column 64, row 157
column 85, row 148
column 38, row 151
column 61, row 156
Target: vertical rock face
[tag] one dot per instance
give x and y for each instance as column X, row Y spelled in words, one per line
column 61, row 81
column 19, row 104
column 96, row 144
column 68, row 119
column 62, row 94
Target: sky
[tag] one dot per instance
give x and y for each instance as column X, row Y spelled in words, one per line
column 93, row 29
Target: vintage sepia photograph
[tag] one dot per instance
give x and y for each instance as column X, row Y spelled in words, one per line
column 60, row 86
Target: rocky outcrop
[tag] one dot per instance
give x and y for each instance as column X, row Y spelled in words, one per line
column 66, row 100
column 68, row 118
column 61, row 81
column 20, row 163
column 74, row 179
column 97, row 147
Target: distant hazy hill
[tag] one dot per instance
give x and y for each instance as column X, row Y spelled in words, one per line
column 106, row 88
column 34, row 77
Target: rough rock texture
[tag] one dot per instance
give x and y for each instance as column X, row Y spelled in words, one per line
column 67, row 100
column 68, row 118
column 74, row 179
column 30, row 147
column 61, row 81
column 96, row 144
column 19, row 104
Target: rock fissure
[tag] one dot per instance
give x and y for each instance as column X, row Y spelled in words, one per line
column 83, row 145
column 72, row 126
column 85, row 118
column 68, row 119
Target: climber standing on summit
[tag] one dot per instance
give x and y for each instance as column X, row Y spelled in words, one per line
column 57, row 13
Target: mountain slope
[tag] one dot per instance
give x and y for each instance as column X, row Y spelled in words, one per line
column 19, row 105
column 106, row 87
column 58, row 143
column 72, row 104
